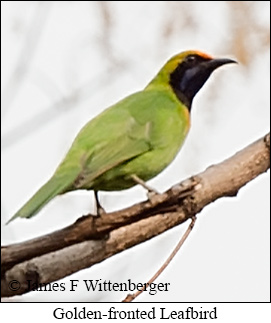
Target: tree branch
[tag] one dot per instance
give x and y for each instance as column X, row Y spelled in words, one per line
column 91, row 240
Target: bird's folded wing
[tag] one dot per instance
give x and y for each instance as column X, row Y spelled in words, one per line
column 119, row 149
column 122, row 132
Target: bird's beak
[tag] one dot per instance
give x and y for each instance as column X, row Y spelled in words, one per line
column 217, row 62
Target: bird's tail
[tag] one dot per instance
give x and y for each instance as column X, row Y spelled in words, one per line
column 56, row 185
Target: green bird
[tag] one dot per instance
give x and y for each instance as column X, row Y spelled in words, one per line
column 133, row 140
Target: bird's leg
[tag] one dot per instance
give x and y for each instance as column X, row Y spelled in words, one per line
column 99, row 209
column 151, row 191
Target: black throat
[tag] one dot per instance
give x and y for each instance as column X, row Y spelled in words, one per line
column 182, row 97
column 189, row 76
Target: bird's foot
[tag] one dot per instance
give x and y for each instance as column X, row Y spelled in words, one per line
column 151, row 195
column 100, row 211
column 151, row 191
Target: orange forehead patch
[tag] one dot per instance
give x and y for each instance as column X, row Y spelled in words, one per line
column 204, row 55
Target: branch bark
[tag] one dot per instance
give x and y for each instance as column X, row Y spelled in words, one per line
column 91, row 240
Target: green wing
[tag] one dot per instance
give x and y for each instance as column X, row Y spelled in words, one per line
column 112, row 138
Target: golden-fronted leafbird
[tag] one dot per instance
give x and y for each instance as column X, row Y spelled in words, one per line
column 137, row 137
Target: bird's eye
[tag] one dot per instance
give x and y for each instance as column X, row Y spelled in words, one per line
column 191, row 59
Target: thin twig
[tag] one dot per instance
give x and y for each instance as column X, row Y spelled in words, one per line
column 131, row 297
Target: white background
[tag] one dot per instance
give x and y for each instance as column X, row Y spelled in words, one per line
column 234, row 313
column 64, row 62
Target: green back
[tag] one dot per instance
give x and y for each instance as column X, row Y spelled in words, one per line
column 146, row 121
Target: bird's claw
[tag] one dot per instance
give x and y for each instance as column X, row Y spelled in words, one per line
column 151, row 194
column 100, row 211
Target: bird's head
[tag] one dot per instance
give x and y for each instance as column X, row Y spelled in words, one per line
column 186, row 73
